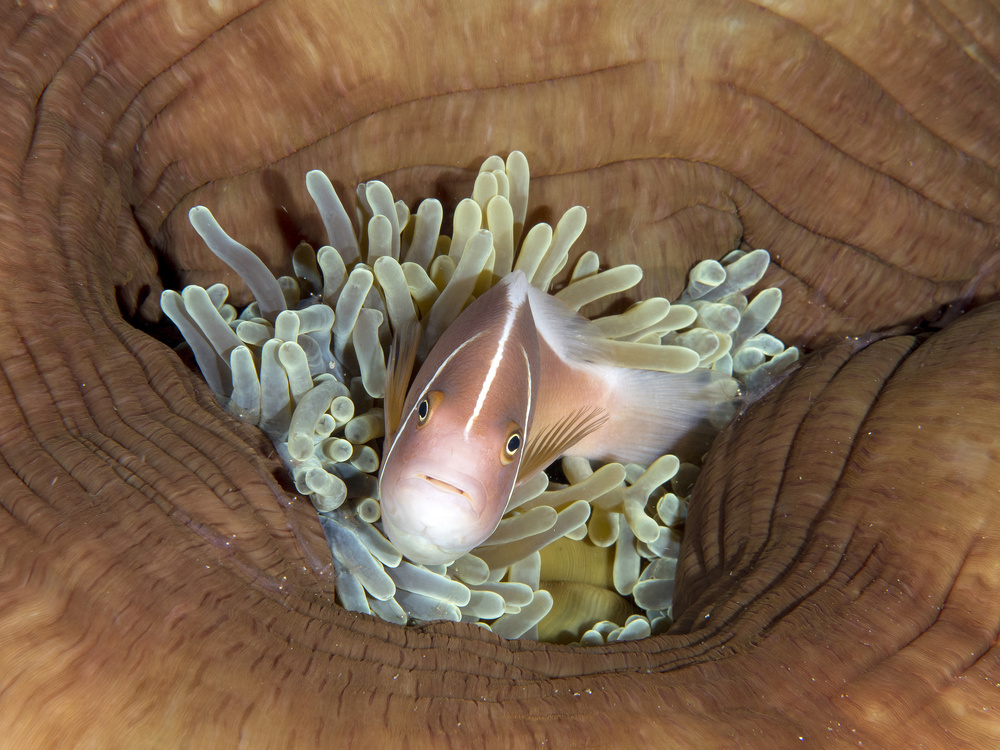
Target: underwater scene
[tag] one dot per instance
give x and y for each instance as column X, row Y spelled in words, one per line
column 572, row 535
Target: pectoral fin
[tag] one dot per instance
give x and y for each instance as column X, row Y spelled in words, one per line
column 547, row 442
column 399, row 373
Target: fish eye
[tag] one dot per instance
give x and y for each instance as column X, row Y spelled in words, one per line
column 513, row 444
column 426, row 405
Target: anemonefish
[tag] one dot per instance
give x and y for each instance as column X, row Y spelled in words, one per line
column 518, row 380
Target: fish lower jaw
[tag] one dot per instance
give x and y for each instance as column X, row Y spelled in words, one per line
column 418, row 550
column 431, row 521
column 424, row 546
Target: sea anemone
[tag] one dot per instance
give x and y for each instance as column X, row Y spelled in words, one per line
column 586, row 555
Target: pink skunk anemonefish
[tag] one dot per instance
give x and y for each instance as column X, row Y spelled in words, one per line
column 518, row 380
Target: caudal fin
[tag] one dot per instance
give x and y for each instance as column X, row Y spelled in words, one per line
column 661, row 412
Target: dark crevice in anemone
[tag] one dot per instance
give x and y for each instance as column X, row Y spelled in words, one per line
column 870, row 567
column 812, row 537
column 869, row 255
column 734, row 559
column 162, row 330
column 822, row 514
column 25, row 510
column 805, row 423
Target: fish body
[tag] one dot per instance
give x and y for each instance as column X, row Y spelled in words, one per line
column 516, row 381
column 453, row 460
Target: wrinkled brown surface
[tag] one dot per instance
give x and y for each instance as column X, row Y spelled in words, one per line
column 157, row 587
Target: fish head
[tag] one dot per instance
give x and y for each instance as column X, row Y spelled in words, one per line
column 447, row 477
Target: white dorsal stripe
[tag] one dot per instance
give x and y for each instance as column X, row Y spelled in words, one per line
column 491, row 374
column 527, row 408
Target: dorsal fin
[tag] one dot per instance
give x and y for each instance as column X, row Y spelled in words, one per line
column 546, row 443
column 571, row 336
column 399, row 373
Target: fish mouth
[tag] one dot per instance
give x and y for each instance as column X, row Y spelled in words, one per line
column 451, row 482
column 476, row 501
column 447, row 487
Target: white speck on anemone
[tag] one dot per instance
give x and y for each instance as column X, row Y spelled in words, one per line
column 306, row 362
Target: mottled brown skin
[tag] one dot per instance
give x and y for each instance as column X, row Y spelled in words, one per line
column 158, row 588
